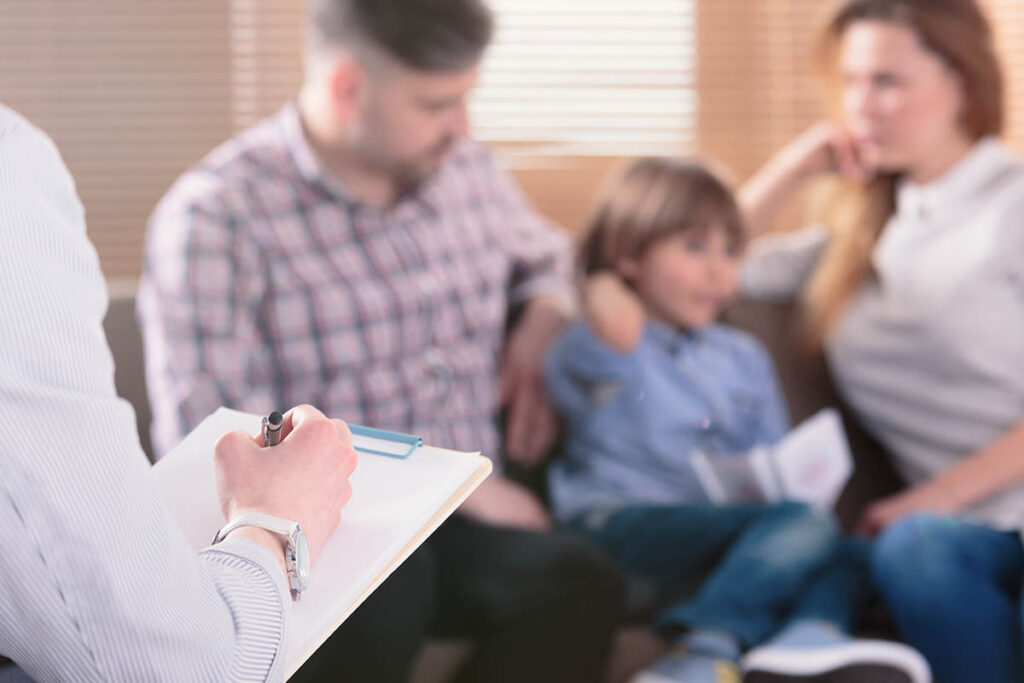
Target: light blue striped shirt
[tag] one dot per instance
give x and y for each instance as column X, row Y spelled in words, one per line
column 633, row 420
column 96, row 582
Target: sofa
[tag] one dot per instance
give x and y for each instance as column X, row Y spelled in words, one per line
column 806, row 384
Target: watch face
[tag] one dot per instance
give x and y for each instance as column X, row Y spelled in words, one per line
column 301, row 561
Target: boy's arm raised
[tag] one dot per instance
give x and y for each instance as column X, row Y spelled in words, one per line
column 613, row 311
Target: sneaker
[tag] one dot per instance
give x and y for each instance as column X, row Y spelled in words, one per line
column 817, row 652
column 683, row 665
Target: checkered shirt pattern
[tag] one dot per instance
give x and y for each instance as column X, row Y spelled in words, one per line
column 266, row 284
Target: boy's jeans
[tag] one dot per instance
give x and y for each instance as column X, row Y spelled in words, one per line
column 742, row 569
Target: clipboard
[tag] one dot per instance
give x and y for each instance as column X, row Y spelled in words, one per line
column 397, row 502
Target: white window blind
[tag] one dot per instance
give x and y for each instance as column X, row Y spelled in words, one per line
column 602, row 77
column 135, row 92
column 1007, row 17
column 266, row 56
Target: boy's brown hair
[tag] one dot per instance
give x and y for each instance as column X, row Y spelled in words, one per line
column 654, row 198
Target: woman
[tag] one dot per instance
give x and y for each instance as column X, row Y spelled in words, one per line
column 916, row 293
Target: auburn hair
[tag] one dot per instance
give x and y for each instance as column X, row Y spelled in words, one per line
column 957, row 32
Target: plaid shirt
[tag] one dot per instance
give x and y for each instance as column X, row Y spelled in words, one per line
column 267, row 285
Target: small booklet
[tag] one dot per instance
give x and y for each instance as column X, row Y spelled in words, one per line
column 811, row 464
column 396, row 504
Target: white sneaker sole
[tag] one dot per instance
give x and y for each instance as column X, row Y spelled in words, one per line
column 818, row 662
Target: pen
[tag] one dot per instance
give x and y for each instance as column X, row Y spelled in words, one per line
column 271, row 428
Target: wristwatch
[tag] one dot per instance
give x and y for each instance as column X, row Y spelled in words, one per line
column 296, row 552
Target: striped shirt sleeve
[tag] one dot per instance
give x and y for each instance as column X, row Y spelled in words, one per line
column 96, row 583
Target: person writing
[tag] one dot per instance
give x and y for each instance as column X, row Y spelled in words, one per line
column 96, row 581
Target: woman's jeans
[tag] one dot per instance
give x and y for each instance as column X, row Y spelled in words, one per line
column 954, row 589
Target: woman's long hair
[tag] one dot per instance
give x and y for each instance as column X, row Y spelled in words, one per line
column 958, row 33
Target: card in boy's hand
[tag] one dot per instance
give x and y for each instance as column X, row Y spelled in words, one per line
column 811, row 464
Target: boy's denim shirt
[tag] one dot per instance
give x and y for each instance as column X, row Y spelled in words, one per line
column 633, row 419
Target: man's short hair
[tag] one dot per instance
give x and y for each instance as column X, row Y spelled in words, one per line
column 426, row 35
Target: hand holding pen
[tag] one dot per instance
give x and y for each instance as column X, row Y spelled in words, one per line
column 306, row 480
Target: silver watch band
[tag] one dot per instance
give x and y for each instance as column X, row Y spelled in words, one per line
column 277, row 525
column 296, row 551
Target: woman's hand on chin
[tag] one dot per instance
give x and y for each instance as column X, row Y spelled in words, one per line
column 822, row 149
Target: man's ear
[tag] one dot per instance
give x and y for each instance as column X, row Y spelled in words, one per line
column 348, row 85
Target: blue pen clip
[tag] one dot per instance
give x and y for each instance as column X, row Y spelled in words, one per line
column 380, row 440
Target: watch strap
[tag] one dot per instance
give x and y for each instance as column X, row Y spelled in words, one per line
column 277, row 525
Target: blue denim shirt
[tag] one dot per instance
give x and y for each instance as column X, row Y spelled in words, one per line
column 634, row 419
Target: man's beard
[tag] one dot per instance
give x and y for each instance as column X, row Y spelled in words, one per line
column 426, row 165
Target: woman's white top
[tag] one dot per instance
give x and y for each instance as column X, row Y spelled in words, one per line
column 930, row 353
